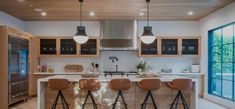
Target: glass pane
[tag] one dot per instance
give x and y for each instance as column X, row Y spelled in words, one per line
column 228, row 34
column 227, row 89
column 216, row 86
column 216, row 54
column 227, row 53
column 216, row 70
column 217, row 37
column 227, row 71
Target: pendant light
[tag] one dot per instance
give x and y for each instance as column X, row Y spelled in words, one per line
column 147, row 36
column 81, row 37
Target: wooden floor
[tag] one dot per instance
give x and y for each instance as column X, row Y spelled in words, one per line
column 32, row 104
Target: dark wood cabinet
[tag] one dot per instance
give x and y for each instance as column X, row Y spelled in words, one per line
column 169, row 46
column 89, row 48
column 190, row 46
column 149, row 49
column 68, row 47
column 48, row 46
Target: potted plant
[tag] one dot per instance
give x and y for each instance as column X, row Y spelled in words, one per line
column 142, row 67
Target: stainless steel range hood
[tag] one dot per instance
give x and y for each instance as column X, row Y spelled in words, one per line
column 118, row 35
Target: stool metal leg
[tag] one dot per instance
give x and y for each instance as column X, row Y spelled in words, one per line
column 146, row 100
column 184, row 101
column 92, row 99
column 115, row 102
column 123, row 100
column 177, row 97
column 64, row 100
column 55, row 101
column 153, row 100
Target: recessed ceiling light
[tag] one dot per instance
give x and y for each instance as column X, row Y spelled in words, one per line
column 20, row 0
column 31, row 5
column 38, row 9
column 43, row 13
column 190, row 13
column 141, row 14
column 92, row 13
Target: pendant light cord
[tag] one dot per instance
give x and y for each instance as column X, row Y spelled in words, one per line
column 81, row 1
column 148, row 12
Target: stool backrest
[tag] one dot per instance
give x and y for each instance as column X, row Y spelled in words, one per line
column 150, row 84
column 58, row 84
column 89, row 84
column 181, row 84
column 120, row 84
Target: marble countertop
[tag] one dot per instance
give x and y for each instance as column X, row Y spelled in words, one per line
column 75, row 78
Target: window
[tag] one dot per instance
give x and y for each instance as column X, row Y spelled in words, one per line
column 221, row 66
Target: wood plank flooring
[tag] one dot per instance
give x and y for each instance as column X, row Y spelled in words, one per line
column 32, row 104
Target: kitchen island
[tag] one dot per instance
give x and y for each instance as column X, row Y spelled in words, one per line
column 105, row 97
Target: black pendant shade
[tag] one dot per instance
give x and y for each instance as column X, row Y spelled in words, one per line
column 81, row 31
column 147, row 31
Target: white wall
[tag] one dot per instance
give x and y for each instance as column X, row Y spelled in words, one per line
column 6, row 19
column 60, row 28
column 217, row 19
column 127, row 60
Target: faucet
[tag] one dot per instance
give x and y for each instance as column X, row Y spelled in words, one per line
column 113, row 59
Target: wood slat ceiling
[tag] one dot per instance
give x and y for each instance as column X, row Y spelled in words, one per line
column 68, row 10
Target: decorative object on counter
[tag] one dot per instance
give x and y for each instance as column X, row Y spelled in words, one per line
column 81, row 37
column 147, row 36
column 73, row 68
column 90, row 75
column 195, row 68
column 166, row 70
column 45, row 68
column 142, row 66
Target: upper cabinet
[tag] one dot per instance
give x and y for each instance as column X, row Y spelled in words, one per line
column 149, row 49
column 90, row 48
column 66, row 46
column 171, row 46
column 190, row 46
column 48, row 46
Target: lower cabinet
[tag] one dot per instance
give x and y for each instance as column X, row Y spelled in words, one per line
column 200, row 79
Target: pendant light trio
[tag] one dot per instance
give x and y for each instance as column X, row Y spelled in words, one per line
column 81, row 37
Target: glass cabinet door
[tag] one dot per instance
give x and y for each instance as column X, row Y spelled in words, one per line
column 149, row 49
column 48, row 47
column 169, row 47
column 89, row 48
column 68, row 47
column 190, row 47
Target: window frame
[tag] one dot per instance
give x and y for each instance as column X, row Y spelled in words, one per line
column 212, row 46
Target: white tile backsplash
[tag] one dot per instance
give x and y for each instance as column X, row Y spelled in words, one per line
column 127, row 61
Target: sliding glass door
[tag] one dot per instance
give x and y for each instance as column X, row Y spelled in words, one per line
column 221, row 55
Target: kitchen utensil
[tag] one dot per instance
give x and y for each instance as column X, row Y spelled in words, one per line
column 93, row 65
column 96, row 65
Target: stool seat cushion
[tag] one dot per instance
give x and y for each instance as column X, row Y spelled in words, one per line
column 59, row 84
column 89, row 84
column 150, row 84
column 181, row 84
column 120, row 84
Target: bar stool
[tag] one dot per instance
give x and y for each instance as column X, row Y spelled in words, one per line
column 59, row 85
column 89, row 85
column 149, row 85
column 120, row 85
column 180, row 85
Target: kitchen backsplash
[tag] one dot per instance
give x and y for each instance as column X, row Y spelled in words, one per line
column 127, row 61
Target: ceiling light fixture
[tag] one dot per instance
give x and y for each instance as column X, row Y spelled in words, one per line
column 81, row 37
column 141, row 14
column 92, row 13
column 43, row 13
column 37, row 9
column 21, row 0
column 190, row 13
column 147, row 36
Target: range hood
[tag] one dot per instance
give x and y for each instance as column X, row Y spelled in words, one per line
column 118, row 35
